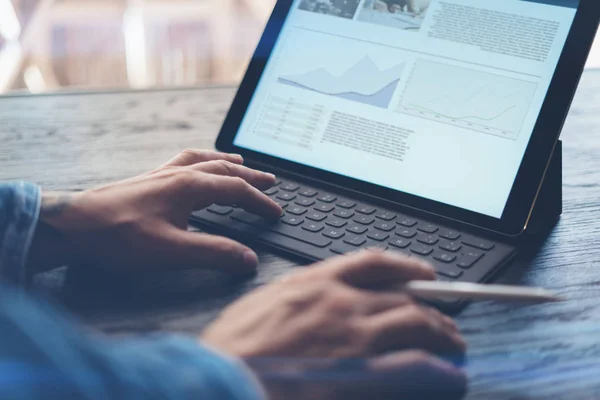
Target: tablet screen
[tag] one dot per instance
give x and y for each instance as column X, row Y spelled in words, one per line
column 435, row 98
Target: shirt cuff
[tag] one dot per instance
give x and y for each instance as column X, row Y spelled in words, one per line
column 181, row 367
column 20, row 204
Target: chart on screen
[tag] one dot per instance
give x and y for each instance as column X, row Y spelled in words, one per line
column 467, row 98
column 363, row 82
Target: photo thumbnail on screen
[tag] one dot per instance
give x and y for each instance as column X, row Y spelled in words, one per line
column 400, row 14
column 337, row 8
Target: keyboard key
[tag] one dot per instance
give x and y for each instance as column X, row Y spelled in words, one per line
column 286, row 196
column 281, row 203
column 448, row 270
column 342, row 248
column 289, row 187
column 285, row 230
column 473, row 253
column 479, row 243
column 364, row 219
column 292, row 220
column 444, row 256
column 346, row 203
column 336, row 222
column 327, row 198
column 316, row 216
column 344, row 213
column 469, row 259
column 324, row 207
column 450, row 246
column 308, row 192
column 407, row 221
column 299, row 234
column 365, row 210
column 378, row 235
column 277, row 182
column 377, row 247
column 271, row 192
column 385, row 226
column 220, row 210
column 386, row 216
column 355, row 240
column 313, row 227
column 400, row 243
column 421, row 249
column 427, row 239
column 358, row 229
column 246, row 217
column 429, row 228
column 334, row 233
column 449, row 234
column 297, row 210
column 407, row 232
column 305, row 202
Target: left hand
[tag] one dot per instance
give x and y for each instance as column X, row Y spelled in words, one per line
column 142, row 222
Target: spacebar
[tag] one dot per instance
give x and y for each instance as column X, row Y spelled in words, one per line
column 282, row 229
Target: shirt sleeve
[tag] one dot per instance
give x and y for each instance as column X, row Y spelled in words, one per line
column 43, row 356
column 19, row 213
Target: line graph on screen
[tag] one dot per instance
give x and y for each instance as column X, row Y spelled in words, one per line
column 476, row 100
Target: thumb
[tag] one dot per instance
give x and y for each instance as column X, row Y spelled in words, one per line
column 200, row 250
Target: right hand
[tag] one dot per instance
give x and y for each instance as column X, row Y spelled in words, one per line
column 330, row 312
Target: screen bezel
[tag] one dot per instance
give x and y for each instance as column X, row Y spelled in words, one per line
column 537, row 155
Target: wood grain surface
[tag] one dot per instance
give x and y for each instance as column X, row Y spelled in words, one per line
column 73, row 142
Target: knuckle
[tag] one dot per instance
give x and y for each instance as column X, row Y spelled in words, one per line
column 297, row 297
column 419, row 319
column 362, row 336
column 190, row 152
column 184, row 179
column 240, row 184
column 339, row 302
column 224, row 166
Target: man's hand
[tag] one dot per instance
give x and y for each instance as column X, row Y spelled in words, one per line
column 141, row 223
column 344, row 308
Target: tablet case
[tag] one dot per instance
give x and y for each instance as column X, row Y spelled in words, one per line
column 548, row 207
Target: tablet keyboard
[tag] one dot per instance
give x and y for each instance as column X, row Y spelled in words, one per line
column 318, row 224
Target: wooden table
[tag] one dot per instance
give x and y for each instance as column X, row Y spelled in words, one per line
column 73, row 142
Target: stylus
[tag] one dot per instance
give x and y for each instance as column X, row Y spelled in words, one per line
column 430, row 290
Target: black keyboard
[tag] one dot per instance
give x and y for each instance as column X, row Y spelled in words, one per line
column 318, row 224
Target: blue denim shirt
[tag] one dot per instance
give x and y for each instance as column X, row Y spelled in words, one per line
column 43, row 355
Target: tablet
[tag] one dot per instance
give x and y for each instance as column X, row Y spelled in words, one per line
column 452, row 107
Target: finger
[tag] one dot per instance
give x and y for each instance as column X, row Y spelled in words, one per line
column 234, row 190
column 371, row 303
column 375, row 269
column 414, row 327
column 199, row 250
column 416, row 375
column 448, row 323
column 402, row 375
column 194, row 156
column 258, row 179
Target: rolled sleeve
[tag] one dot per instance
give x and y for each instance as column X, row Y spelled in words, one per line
column 19, row 213
column 43, row 356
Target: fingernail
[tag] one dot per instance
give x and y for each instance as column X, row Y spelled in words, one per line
column 250, row 258
column 450, row 322
column 271, row 175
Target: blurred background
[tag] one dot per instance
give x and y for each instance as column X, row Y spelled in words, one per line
column 51, row 45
